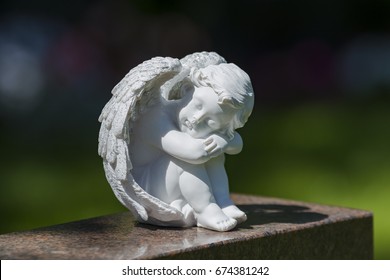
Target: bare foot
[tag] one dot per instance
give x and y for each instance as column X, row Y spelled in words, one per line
column 186, row 209
column 178, row 204
column 189, row 215
column 233, row 212
column 213, row 218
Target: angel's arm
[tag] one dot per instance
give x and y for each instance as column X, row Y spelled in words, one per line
column 184, row 147
column 219, row 143
column 197, row 151
column 164, row 135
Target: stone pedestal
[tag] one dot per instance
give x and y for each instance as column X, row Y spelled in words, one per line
column 275, row 229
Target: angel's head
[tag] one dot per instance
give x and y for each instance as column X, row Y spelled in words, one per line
column 222, row 100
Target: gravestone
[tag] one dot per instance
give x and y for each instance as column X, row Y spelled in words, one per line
column 275, row 229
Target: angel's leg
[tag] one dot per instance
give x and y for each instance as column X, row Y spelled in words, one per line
column 194, row 184
column 220, row 188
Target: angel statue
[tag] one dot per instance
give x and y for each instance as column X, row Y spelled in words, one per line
column 164, row 134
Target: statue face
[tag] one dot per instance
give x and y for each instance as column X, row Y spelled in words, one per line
column 203, row 115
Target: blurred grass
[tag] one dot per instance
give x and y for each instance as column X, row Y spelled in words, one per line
column 329, row 153
column 324, row 152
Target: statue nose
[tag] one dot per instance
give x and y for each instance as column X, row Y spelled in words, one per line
column 194, row 121
column 197, row 118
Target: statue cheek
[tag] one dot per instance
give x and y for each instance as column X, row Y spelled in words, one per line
column 182, row 113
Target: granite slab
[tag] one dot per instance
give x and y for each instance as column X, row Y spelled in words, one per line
column 275, row 229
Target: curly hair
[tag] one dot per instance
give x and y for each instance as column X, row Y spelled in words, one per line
column 233, row 87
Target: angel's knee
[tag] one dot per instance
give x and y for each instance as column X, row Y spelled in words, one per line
column 185, row 167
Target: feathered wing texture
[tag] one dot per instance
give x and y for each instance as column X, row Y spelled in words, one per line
column 201, row 60
column 138, row 90
column 133, row 94
column 192, row 61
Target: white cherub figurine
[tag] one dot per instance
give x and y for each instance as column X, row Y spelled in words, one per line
column 181, row 117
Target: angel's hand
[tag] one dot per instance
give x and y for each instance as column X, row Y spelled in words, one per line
column 215, row 145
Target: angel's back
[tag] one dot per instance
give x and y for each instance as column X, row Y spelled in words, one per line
column 147, row 132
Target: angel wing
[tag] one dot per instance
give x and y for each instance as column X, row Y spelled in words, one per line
column 201, row 60
column 138, row 90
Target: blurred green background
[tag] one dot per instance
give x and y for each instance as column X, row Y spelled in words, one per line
column 320, row 131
